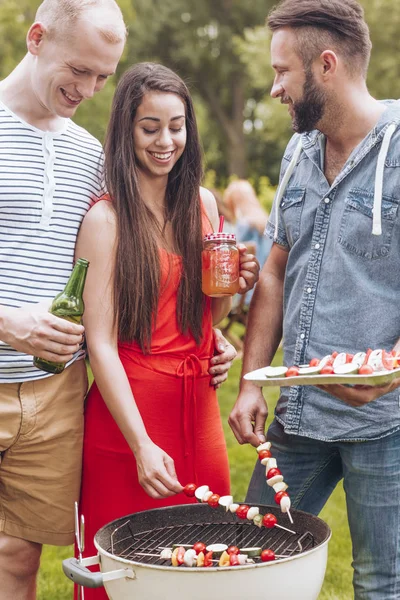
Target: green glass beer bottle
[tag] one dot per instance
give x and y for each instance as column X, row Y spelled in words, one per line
column 68, row 305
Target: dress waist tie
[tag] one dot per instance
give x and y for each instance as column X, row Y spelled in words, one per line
column 190, row 368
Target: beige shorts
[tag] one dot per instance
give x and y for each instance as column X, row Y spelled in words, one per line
column 41, row 432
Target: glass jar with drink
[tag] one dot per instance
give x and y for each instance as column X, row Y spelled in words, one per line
column 220, row 265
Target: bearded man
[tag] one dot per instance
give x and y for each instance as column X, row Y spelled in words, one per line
column 331, row 282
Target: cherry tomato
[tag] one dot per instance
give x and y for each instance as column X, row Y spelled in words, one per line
column 334, row 354
column 233, row 550
column 365, row 370
column 349, row 358
column 234, row 560
column 327, row 370
column 190, row 489
column 213, row 500
column 199, row 547
column 264, row 454
column 273, row 472
column 208, row 559
column 279, row 496
column 267, row 555
column 292, row 372
column 314, row 362
column 269, row 521
column 242, row 511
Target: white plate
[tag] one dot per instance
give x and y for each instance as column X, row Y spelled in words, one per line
column 258, row 377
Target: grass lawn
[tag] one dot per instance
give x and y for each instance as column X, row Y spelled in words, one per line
column 53, row 585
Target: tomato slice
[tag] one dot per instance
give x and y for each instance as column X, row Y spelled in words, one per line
column 388, row 360
column 327, row 370
column 234, row 560
column 180, row 555
column 292, row 372
column 208, row 559
column 365, row 370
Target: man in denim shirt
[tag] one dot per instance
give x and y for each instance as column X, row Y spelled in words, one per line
column 332, row 282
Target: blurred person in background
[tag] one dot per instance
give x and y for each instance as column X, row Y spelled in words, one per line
column 249, row 217
column 250, row 220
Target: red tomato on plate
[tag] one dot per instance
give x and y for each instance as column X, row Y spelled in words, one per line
column 292, row 372
column 365, row 370
column 326, row 370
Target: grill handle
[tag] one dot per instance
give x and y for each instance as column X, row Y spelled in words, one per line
column 79, row 574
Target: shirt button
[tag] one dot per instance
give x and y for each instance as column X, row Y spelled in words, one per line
column 317, row 246
column 309, row 290
column 327, row 200
column 302, row 336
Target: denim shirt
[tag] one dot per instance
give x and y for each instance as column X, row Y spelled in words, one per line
column 342, row 284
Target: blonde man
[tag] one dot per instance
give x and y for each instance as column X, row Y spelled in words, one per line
column 50, row 171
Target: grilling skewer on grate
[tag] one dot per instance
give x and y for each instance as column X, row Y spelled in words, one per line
column 274, row 479
column 189, row 557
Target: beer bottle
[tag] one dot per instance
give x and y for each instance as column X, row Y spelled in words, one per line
column 68, row 305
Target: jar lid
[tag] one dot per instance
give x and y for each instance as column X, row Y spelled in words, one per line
column 220, row 237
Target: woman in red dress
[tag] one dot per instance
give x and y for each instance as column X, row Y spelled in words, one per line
column 152, row 416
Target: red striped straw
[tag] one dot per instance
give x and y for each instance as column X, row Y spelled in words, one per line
column 221, row 224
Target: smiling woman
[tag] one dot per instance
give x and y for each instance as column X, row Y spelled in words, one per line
column 159, row 132
column 152, row 416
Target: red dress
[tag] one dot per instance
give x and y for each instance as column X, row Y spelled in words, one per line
column 179, row 407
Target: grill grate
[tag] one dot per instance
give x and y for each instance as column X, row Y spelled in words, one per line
column 132, row 546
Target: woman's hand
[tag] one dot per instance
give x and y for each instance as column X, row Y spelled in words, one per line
column 249, row 270
column 156, row 471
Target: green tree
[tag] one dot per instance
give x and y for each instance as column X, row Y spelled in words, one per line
column 197, row 39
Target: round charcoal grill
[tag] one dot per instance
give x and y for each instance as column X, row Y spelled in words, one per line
column 129, row 556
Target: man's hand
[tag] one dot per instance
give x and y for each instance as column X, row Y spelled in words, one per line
column 249, row 270
column 33, row 330
column 222, row 361
column 247, row 419
column 359, row 395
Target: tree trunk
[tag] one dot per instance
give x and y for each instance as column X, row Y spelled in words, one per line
column 237, row 145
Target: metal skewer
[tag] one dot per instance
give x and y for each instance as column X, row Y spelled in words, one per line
column 285, row 528
column 290, row 516
column 80, row 543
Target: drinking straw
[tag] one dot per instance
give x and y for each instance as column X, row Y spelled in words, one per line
column 221, row 224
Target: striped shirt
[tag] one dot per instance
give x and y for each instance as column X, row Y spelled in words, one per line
column 47, row 183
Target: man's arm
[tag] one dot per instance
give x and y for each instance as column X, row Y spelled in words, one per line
column 33, row 330
column 263, row 334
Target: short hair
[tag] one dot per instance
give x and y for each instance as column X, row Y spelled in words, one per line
column 58, row 16
column 323, row 24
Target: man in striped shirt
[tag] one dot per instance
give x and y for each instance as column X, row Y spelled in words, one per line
column 50, row 173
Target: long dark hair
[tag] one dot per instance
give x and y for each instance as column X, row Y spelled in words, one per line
column 137, row 264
